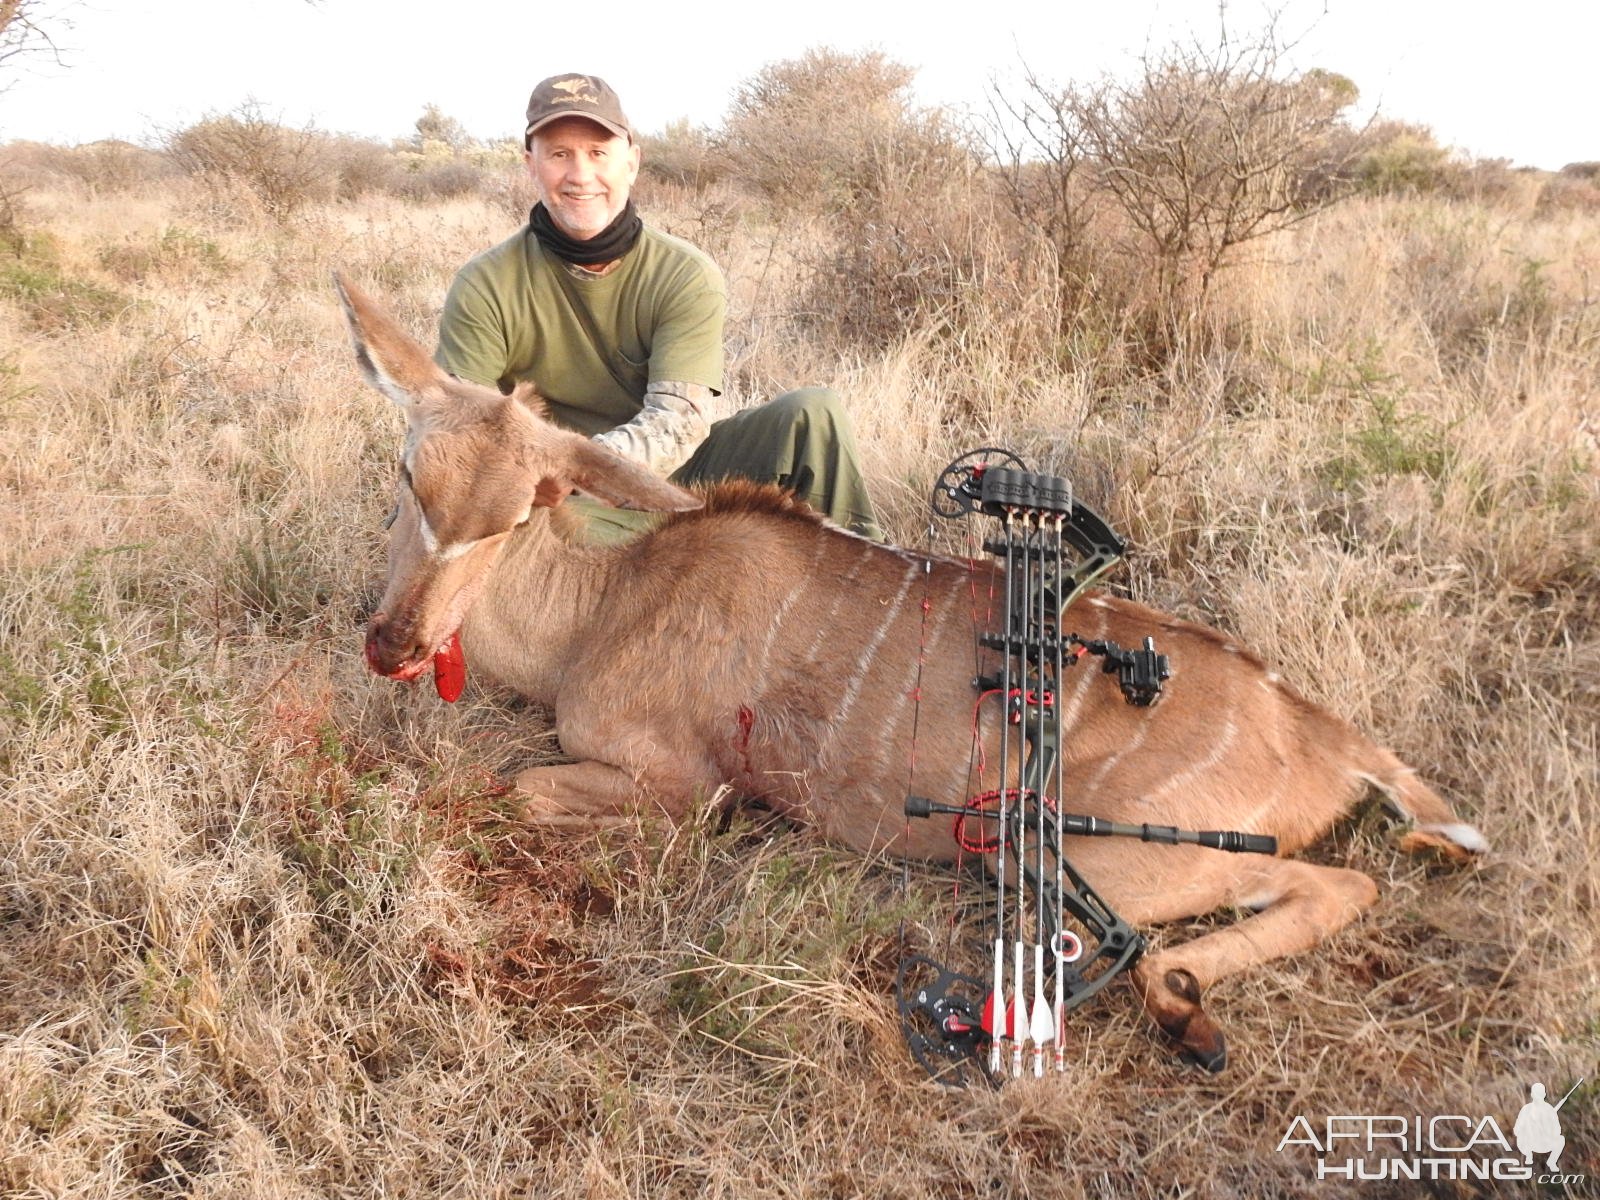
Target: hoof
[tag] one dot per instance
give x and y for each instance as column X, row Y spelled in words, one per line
column 1213, row 1060
column 1176, row 1008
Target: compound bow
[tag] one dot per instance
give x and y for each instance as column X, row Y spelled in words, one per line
column 1050, row 547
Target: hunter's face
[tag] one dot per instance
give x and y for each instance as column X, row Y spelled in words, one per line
column 583, row 173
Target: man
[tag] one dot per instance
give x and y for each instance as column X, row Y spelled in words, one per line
column 620, row 326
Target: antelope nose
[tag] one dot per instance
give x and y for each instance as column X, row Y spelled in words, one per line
column 389, row 649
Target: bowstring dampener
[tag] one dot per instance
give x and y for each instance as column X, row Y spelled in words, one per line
column 1050, row 547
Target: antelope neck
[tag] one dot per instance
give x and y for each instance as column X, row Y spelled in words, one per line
column 543, row 592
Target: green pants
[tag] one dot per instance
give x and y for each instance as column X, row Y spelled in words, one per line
column 801, row 441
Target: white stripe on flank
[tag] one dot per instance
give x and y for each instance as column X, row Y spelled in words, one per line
column 844, row 591
column 929, row 637
column 1085, row 675
column 859, row 677
column 1129, row 747
column 782, row 611
column 1251, row 822
column 1219, row 750
column 778, row 615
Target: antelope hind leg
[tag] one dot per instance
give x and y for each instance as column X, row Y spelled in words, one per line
column 583, row 796
column 1299, row 904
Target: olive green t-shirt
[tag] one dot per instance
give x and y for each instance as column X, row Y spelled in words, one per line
column 508, row 318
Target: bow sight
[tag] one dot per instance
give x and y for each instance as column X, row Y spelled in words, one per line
column 1050, row 547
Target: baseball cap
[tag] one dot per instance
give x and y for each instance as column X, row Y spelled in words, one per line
column 586, row 96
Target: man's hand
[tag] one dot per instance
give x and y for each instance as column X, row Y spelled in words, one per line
column 551, row 492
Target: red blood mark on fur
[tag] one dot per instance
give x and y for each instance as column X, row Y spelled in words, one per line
column 747, row 722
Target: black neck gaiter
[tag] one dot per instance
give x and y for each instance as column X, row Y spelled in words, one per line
column 612, row 242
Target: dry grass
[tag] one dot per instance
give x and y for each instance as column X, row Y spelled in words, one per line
column 265, row 932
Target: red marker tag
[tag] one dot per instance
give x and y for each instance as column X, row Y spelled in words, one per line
column 450, row 670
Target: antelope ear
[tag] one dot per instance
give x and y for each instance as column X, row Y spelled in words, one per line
column 621, row 483
column 390, row 358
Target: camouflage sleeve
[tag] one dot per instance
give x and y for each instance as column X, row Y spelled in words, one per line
column 674, row 421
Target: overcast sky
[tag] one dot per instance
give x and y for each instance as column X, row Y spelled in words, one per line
column 1513, row 80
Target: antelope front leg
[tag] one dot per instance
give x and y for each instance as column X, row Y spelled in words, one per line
column 1301, row 903
column 585, row 796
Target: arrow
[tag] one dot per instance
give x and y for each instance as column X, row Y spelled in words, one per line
column 1043, row 1028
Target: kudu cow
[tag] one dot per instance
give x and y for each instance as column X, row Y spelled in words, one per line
column 745, row 643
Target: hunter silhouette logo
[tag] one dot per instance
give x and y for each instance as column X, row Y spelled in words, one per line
column 578, row 91
column 1453, row 1146
column 1538, row 1129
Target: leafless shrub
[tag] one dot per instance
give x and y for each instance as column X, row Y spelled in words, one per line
column 1207, row 148
column 104, row 166
column 510, row 191
column 1569, row 193
column 358, row 165
column 913, row 240
column 924, row 248
column 283, row 167
column 708, row 216
column 21, row 33
column 1575, row 188
column 683, row 153
column 1495, row 182
column 1041, row 159
column 439, row 180
column 811, row 133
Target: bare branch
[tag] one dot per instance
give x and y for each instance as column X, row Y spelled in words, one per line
column 1208, row 147
column 22, row 35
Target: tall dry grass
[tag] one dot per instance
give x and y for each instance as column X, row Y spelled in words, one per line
column 264, row 930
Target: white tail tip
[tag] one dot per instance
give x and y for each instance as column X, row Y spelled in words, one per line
column 1465, row 836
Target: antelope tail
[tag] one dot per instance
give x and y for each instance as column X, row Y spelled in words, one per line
column 1434, row 824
